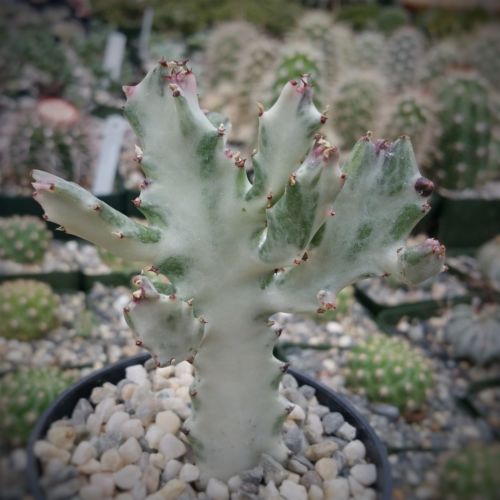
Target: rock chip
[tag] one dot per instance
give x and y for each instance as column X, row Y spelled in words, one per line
column 126, row 477
column 168, row 421
column 326, row 468
column 111, row 460
column 365, row 474
column 293, row 491
column 346, row 431
column 332, row 422
column 337, row 489
column 189, row 473
column 130, row 451
column 217, row 490
column 171, row 447
column 320, row 450
column 354, row 451
column 83, row 453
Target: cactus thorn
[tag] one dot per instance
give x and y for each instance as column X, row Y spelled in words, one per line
column 293, row 83
column 185, row 430
column 260, row 108
column 126, row 309
column 189, row 302
column 331, row 212
column 172, row 296
column 61, row 228
column 118, row 234
column 34, row 194
column 138, row 295
column 139, row 343
column 163, row 62
column 202, row 320
column 137, row 202
column 45, row 217
column 284, row 367
column 253, row 153
column 221, row 130
column 425, row 207
column 292, row 180
column 320, row 310
column 278, row 332
column 193, row 392
column 271, row 323
column 153, row 269
column 176, row 92
column 323, row 119
column 289, row 409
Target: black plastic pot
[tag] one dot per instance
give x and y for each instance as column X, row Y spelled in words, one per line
column 109, row 279
column 465, row 224
column 61, row 281
column 63, row 407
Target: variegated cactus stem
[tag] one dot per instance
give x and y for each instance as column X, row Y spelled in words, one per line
column 237, row 252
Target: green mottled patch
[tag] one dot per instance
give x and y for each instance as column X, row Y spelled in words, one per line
column 132, row 117
column 174, row 267
column 205, row 151
column 318, row 237
column 406, row 219
column 362, row 237
column 259, row 181
column 399, row 167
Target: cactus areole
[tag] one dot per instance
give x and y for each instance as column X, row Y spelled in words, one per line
column 237, row 252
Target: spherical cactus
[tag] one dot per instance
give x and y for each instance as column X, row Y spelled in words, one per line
column 369, row 46
column 483, row 52
column 387, row 369
column 470, row 473
column 474, row 335
column 28, row 308
column 488, row 260
column 354, row 107
column 52, row 135
column 463, row 156
column 402, row 56
column 411, row 114
column 23, row 239
column 24, row 395
column 437, row 60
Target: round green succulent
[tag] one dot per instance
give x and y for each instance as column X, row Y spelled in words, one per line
column 24, row 395
column 354, row 108
column 474, row 335
column 464, row 157
column 28, row 308
column 471, row 473
column 23, row 239
column 388, row 369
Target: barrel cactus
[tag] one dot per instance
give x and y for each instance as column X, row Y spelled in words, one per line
column 24, row 239
column 412, row 114
column 470, row 473
column 435, row 63
column 237, row 252
column 369, row 46
column 29, row 309
column 355, row 104
column 52, row 135
column 483, row 52
column 474, row 334
column 24, row 395
column 402, row 56
column 466, row 120
column 387, row 369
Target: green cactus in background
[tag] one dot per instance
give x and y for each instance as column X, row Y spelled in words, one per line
column 474, row 334
column 391, row 18
column 24, row 396
column 52, row 135
column 236, row 253
column 470, row 473
column 488, row 262
column 369, row 48
column 343, row 305
column 463, row 157
column 354, row 106
column 483, row 52
column 388, row 369
column 23, row 239
column 402, row 57
column 29, row 309
column 412, row 114
column 436, row 62
column 295, row 61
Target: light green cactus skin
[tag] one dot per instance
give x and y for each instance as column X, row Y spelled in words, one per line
column 24, row 239
column 466, row 124
column 474, row 335
column 412, row 115
column 389, row 370
column 24, row 396
column 28, row 308
column 354, row 109
column 235, row 252
column 402, row 56
column 483, row 53
column 471, row 473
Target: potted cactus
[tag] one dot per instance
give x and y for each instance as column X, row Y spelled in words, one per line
column 237, row 252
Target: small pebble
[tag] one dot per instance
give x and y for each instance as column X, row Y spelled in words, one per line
column 346, row 431
column 217, row 490
column 130, row 451
column 332, row 422
column 168, row 421
column 337, row 489
column 354, row 451
column 132, row 428
column 83, row 453
column 326, row 468
column 320, row 450
column 126, row 477
column 189, row 473
column 365, row 474
column 111, row 460
column 293, row 491
column 116, row 420
column 171, row 447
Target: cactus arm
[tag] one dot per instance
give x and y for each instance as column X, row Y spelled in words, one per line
column 285, row 134
column 382, row 200
column 304, row 206
column 80, row 213
column 164, row 324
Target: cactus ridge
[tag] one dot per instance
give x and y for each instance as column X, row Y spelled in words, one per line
column 236, row 252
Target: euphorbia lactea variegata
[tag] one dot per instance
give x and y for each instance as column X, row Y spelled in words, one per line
column 237, row 252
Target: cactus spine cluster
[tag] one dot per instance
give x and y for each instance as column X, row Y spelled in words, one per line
column 390, row 370
column 470, row 473
column 28, row 308
column 237, row 252
column 466, row 121
column 23, row 239
column 24, row 395
column 474, row 334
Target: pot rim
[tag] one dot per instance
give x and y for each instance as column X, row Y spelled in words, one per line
column 64, row 404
